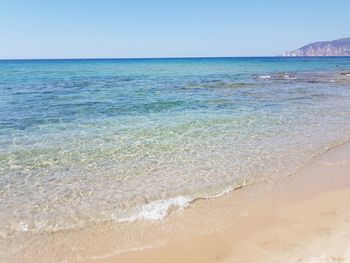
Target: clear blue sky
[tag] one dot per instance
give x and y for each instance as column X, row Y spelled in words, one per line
column 168, row 28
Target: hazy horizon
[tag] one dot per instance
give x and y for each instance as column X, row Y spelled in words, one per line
column 157, row 29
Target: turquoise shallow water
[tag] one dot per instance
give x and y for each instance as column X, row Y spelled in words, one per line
column 89, row 141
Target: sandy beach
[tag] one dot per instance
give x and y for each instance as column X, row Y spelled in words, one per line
column 307, row 219
column 174, row 132
column 202, row 160
column 302, row 218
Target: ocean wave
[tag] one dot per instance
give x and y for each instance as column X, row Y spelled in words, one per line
column 156, row 210
column 264, row 77
column 288, row 77
column 278, row 76
column 160, row 209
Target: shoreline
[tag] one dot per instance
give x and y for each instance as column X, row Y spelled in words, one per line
column 293, row 224
column 185, row 233
column 207, row 129
column 162, row 208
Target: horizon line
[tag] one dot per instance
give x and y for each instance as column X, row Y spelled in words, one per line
column 121, row 58
column 146, row 58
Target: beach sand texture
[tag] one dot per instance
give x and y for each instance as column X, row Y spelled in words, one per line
column 308, row 221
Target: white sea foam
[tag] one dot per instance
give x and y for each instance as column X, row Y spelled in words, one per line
column 23, row 227
column 157, row 210
column 286, row 76
column 224, row 192
column 264, row 77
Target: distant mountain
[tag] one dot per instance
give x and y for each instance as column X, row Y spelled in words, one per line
column 340, row 47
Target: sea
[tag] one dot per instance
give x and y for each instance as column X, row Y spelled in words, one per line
column 90, row 141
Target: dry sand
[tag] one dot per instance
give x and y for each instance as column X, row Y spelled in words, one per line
column 306, row 220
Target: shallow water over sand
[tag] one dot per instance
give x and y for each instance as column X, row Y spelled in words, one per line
column 91, row 141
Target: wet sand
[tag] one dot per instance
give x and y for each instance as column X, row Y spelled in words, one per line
column 302, row 218
column 306, row 218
